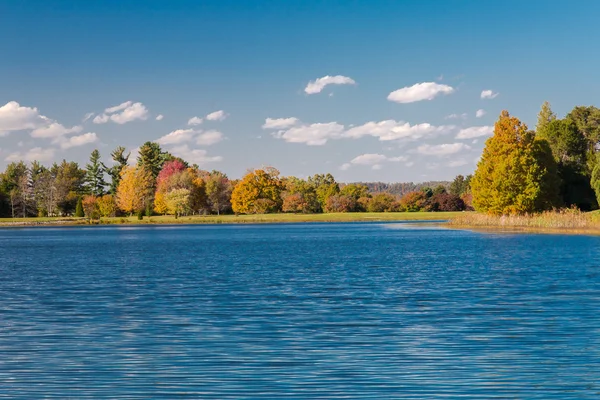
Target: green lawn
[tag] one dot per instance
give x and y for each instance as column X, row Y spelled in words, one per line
column 248, row 219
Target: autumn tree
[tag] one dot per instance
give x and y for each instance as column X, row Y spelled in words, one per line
column 218, row 192
column 545, row 116
column 299, row 196
column 339, row 203
column 381, row 202
column 178, row 201
column 89, row 204
column 325, row 186
column 135, row 189
column 258, row 192
column 357, row 191
column 94, row 175
column 120, row 160
column 107, row 205
column 413, row 201
column 516, row 173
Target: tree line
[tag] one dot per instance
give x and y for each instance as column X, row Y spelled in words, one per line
column 556, row 165
column 158, row 183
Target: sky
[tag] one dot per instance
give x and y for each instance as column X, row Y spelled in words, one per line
column 376, row 90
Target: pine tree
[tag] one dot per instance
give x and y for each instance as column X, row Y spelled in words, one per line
column 79, row 208
column 544, row 117
column 152, row 158
column 94, row 175
column 120, row 160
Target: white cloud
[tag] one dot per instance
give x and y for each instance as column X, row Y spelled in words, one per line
column 159, row 117
column 216, row 116
column 14, row 117
column 195, row 156
column 54, row 130
column 316, row 86
column 312, row 135
column 177, row 137
column 279, row 123
column 87, row 117
column 75, row 141
column 441, row 149
column 458, row 163
column 194, row 121
column 209, row 138
column 474, row 132
column 123, row 113
column 395, row 130
column 456, row 116
column 480, row 113
column 419, row 91
column 377, row 167
column 36, row 153
column 345, row 166
column 488, row 94
column 368, row 159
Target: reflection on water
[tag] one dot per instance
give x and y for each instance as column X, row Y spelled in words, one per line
column 297, row 311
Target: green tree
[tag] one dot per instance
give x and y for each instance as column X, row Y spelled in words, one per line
column 325, row 187
column 516, row 173
column 79, row 208
column 94, row 175
column 151, row 157
column 460, row 185
column 120, row 160
column 545, row 116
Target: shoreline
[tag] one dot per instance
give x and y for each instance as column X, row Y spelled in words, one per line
column 231, row 219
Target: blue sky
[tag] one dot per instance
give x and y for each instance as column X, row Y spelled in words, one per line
column 407, row 76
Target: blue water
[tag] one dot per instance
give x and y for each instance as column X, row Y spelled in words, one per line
column 367, row 311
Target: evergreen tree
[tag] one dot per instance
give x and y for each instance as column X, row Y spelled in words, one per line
column 79, row 208
column 152, row 158
column 120, row 160
column 545, row 117
column 94, row 175
column 516, row 173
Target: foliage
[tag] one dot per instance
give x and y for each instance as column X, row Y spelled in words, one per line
column 107, row 206
column 516, row 173
column 413, row 201
column 300, row 196
column 381, row 202
column 544, row 117
column 94, row 175
column 218, row 192
column 178, row 201
column 460, row 185
column 90, row 206
column 258, row 192
column 151, row 158
column 79, row 212
column 445, row 202
column 325, row 186
column 339, row 203
column 120, row 162
column 135, row 189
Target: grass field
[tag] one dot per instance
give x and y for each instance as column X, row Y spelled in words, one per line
column 238, row 219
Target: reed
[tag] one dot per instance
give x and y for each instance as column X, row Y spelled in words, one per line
column 567, row 219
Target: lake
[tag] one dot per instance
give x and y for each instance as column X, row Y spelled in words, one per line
column 364, row 310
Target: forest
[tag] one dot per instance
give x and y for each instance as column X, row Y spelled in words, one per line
column 157, row 183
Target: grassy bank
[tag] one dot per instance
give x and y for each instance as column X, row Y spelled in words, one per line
column 237, row 219
column 570, row 221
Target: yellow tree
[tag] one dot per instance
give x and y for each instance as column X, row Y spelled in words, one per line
column 258, row 192
column 516, row 173
column 135, row 189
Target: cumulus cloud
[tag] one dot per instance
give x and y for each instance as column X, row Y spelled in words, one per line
column 195, row 121
column 14, row 117
column 195, row 156
column 372, row 159
column 279, row 123
column 419, row 92
column 489, row 94
column 312, row 135
column 36, row 153
column 475, row 132
column 441, row 149
column 216, row 116
column 316, row 86
column 395, row 130
column 54, row 130
column 209, row 138
column 159, row 117
column 76, row 141
column 87, row 117
column 123, row 113
column 177, row 137
column 480, row 113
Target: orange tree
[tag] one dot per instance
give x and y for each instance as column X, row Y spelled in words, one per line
column 517, row 173
column 258, row 192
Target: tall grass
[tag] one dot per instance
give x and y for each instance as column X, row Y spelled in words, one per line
column 552, row 220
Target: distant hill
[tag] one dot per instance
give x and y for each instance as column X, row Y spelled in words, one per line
column 401, row 188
